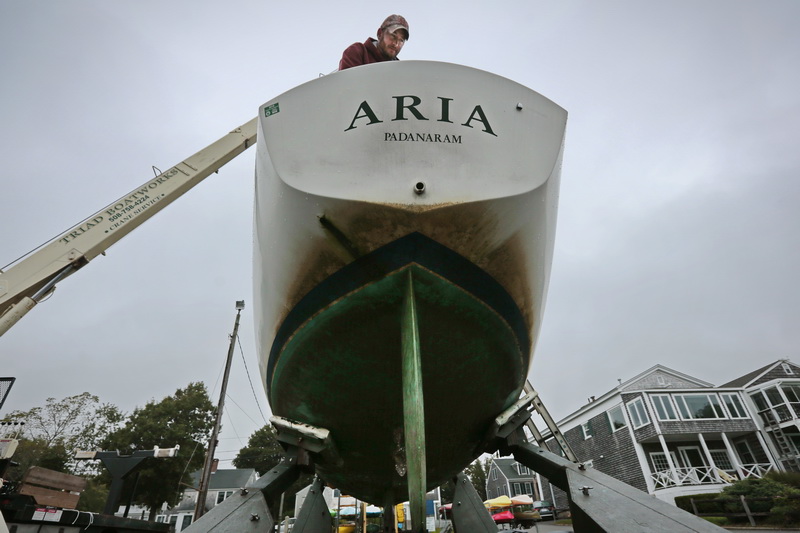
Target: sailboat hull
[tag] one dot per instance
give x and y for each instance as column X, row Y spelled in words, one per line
column 345, row 210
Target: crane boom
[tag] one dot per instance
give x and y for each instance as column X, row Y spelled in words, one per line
column 34, row 276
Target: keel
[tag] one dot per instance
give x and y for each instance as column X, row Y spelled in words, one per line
column 413, row 408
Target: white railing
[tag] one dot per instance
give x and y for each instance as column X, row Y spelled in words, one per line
column 695, row 475
column 702, row 475
column 757, row 470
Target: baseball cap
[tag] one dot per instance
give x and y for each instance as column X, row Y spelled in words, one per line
column 394, row 23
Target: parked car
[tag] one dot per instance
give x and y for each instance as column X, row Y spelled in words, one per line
column 545, row 509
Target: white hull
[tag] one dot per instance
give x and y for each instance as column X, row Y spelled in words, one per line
column 360, row 159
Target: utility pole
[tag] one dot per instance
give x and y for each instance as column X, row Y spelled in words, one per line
column 200, row 507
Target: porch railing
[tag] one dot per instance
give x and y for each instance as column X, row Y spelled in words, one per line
column 704, row 475
column 757, row 470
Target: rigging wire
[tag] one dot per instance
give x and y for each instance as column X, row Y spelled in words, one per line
column 185, row 468
column 249, row 379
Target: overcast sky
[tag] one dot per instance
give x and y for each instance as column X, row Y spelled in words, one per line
column 678, row 239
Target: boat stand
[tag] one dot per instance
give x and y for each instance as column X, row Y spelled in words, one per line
column 598, row 502
column 314, row 516
column 247, row 511
column 469, row 513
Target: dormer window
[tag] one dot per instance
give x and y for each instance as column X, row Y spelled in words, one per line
column 787, row 368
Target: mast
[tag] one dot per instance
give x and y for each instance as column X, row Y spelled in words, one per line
column 202, row 492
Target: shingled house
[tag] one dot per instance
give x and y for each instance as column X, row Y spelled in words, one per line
column 670, row 434
column 506, row 477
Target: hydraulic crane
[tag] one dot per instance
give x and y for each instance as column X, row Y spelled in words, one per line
column 33, row 277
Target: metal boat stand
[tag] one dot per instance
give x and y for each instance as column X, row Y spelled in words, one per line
column 469, row 513
column 247, row 511
column 598, row 502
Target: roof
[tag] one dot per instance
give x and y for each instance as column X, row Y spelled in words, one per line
column 654, row 378
column 671, row 379
column 506, row 467
column 752, row 376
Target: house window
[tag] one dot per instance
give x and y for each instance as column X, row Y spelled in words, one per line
column 745, row 453
column 638, row 413
column 787, row 369
column 721, row 459
column 699, row 406
column 528, row 487
column 222, row 494
column 616, row 418
column 792, row 393
column 663, row 407
column 494, row 473
column 660, row 462
column 734, row 405
column 517, row 489
column 586, row 427
column 186, row 521
column 523, row 470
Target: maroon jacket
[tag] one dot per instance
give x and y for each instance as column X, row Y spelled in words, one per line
column 361, row 54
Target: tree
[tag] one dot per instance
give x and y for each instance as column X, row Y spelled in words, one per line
column 184, row 419
column 263, row 451
column 79, row 420
column 478, row 472
column 94, row 496
column 37, row 452
column 67, row 425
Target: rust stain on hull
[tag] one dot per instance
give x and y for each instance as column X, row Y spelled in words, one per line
column 468, row 229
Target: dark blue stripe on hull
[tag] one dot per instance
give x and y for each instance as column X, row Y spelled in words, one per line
column 413, row 248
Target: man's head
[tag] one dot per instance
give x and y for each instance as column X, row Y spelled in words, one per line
column 392, row 35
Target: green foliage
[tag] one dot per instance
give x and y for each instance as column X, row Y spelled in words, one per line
column 263, row 451
column 766, row 495
column 757, row 488
column 74, row 423
column 38, row 452
column 685, row 502
column 184, row 419
column 786, row 511
column 478, row 472
column 93, row 498
column 791, row 479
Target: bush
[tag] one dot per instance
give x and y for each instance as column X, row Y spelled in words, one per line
column 685, row 502
column 780, row 500
column 787, row 478
column 786, row 511
column 716, row 520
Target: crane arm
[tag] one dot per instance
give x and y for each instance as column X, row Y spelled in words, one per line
column 31, row 278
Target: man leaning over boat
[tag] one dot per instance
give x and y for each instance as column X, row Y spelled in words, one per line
column 392, row 35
